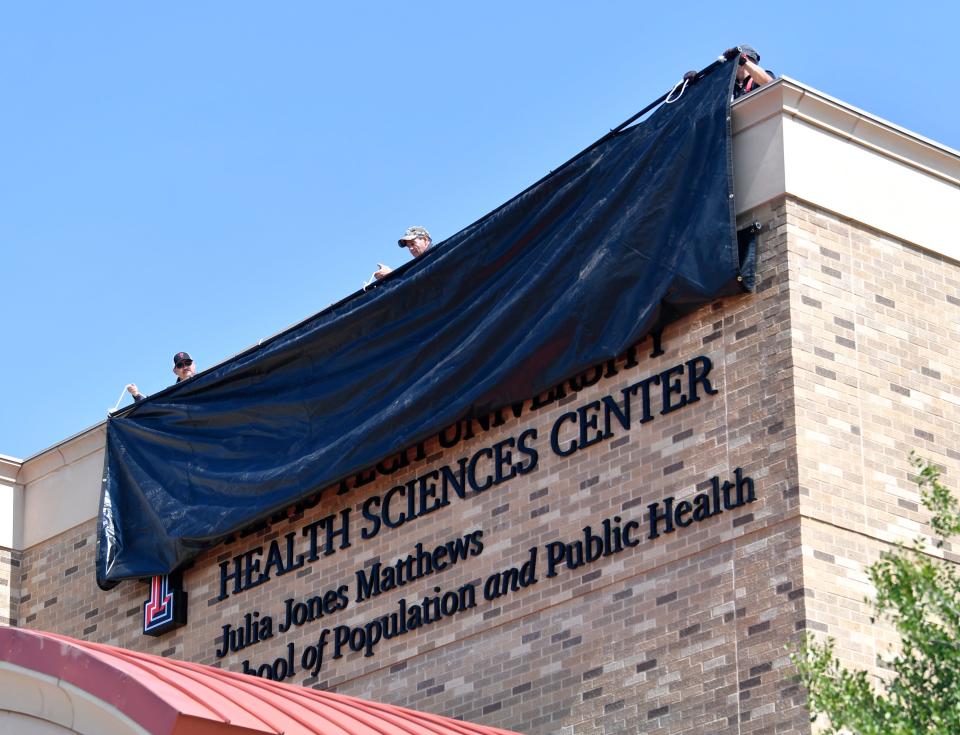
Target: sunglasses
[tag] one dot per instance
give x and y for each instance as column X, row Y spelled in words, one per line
column 181, row 365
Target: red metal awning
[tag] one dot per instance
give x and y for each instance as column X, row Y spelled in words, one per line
column 162, row 695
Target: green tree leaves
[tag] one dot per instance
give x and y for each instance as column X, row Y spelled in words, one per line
column 919, row 594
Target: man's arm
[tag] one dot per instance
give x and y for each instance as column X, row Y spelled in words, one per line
column 757, row 73
column 133, row 391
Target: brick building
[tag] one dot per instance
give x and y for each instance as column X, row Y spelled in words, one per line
column 611, row 567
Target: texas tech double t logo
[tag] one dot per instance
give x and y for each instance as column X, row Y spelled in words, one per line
column 166, row 608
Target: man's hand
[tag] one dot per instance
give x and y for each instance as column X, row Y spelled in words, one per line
column 132, row 389
column 382, row 271
column 731, row 53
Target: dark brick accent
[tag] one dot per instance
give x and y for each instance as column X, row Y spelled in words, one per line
column 745, row 332
column 811, row 302
column 831, row 272
column 658, row 712
column 844, row 323
column 669, row 597
column 899, row 389
column 925, row 435
column 646, row 665
column 844, row 342
column 670, row 469
column 761, row 669
column 824, row 373
column 826, row 252
column 590, row 482
column 592, row 673
column 823, row 556
column 885, row 301
column 682, row 435
column 759, row 628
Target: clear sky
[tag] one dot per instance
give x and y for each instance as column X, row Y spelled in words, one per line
column 198, row 176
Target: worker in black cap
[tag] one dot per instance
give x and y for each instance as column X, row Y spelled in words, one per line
column 416, row 239
column 750, row 74
column 183, row 368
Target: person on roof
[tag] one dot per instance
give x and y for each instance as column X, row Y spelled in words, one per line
column 750, row 74
column 183, row 368
column 416, row 239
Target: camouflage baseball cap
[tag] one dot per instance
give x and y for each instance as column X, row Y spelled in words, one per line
column 412, row 234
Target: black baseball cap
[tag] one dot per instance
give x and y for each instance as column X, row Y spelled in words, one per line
column 181, row 357
column 750, row 52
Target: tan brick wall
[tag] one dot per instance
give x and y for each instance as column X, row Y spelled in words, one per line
column 875, row 325
column 683, row 633
column 9, row 585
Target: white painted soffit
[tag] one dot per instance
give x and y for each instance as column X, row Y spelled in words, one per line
column 793, row 139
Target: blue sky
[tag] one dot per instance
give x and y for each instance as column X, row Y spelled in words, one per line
column 200, row 176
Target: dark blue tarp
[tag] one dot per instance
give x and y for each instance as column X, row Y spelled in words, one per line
column 568, row 274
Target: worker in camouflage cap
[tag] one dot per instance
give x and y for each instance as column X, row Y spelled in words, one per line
column 416, row 239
